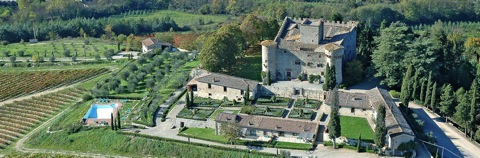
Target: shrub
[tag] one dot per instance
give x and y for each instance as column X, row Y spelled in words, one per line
column 51, row 59
column 20, row 53
column 75, row 128
column 86, row 42
column 74, row 58
column 247, row 109
column 66, row 53
column 394, row 94
column 87, row 97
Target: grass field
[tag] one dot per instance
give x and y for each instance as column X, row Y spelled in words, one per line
column 181, row 18
column 249, row 67
column 288, row 145
column 352, row 127
column 206, row 133
column 74, row 45
column 221, row 110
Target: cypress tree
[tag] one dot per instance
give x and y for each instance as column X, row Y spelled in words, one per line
column 112, row 122
column 428, row 94
column 462, row 112
column 433, row 103
column 326, row 85
column 422, row 89
column 359, row 142
column 187, row 101
column 406, row 91
column 380, row 129
column 191, row 98
column 119, row 123
column 334, row 124
column 416, row 86
column 473, row 106
column 333, row 78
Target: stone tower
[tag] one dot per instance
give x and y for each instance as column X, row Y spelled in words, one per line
column 311, row 34
column 335, row 53
column 269, row 48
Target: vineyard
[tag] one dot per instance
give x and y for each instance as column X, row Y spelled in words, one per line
column 20, row 117
column 18, row 83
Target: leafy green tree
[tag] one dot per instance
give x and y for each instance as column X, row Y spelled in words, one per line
column 52, row 58
column 406, row 93
column 230, row 130
column 433, row 103
column 462, row 115
column 334, row 129
column 217, row 53
column 13, row 59
column 353, row 72
column 380, row 128
column 473, row 107
column 428, row 94
column 390, row 52
column 447, row 102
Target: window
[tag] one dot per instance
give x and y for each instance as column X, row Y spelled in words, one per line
column 241, row 92
column 209, row 94
column 281, row 134
column 319, row 65
column 295, row 134
column 284, row 51
column 310, row 64
column 224, row 89
column 352, row 110
column 209, row 86
column 297, row 62
column 253, row 133
column 323, row 73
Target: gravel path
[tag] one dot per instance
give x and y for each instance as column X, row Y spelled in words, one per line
column 447, row 135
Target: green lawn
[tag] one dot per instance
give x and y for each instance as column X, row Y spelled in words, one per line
column 220, row 111
column 288, row 145
column 264, row 100
column 204, row 133
column 353, row 126
column 74, row 45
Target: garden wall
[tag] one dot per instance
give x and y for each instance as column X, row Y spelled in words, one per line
column 290, row 92
column 195, row 123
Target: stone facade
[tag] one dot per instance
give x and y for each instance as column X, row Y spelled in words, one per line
column 207, row 90
column 306, row 46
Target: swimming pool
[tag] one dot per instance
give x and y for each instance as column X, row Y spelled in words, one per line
column 101, row 111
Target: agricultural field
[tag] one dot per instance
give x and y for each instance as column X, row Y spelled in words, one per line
column 75, row 46
column 18, row 83
column 196, row 114
column 273, row 101
column 352, row 127
column 302, row 114
column 20, row 117
column 312, row 104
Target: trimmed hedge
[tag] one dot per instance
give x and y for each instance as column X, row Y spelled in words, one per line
column 165, row 113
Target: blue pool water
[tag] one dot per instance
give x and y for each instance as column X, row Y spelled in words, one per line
column 100, row 111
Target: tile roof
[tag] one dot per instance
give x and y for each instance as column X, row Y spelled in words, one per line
column 152, row 41
column 269, row 123
column 354, row 100
column 228, row 81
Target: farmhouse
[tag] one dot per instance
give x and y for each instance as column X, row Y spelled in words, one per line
column 220, row 86
column 150, row 44
column 260, row 127
column 305, row 47
column 398, row 130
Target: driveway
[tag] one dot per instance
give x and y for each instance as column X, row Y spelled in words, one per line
column 447, row 135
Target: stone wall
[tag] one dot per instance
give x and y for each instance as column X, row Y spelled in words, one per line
column 297, row 62
column 217, row 92
column 292, row 92
column 210, row 123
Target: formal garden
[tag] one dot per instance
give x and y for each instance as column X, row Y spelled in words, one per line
column 272, row 101
column 214, row 115
column 195, row 114
column 206, row 102
column 302, row 114
column 263, row 111
column 308, row 103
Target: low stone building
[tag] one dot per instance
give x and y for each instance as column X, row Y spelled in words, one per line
column 150, row 44
column 220, row 86
column 366, row 104
column 267, row 128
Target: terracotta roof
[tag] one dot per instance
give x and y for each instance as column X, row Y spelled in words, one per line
column 269, row 123
column 152, row 41
column 332, row 47
column 354, row 100
column 394, row 120
column 268, row 43
column 228, row 81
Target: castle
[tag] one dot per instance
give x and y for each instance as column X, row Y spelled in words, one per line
column 304, row 47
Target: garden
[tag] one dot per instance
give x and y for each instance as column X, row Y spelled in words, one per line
column 214, row 115
column 273, row 101
column 302, row 114
column 267, row 111
column 352, row 127
column 308, row 103
column 195, row 114
column 20, row 117
column 206, row 102
column 17, row 83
